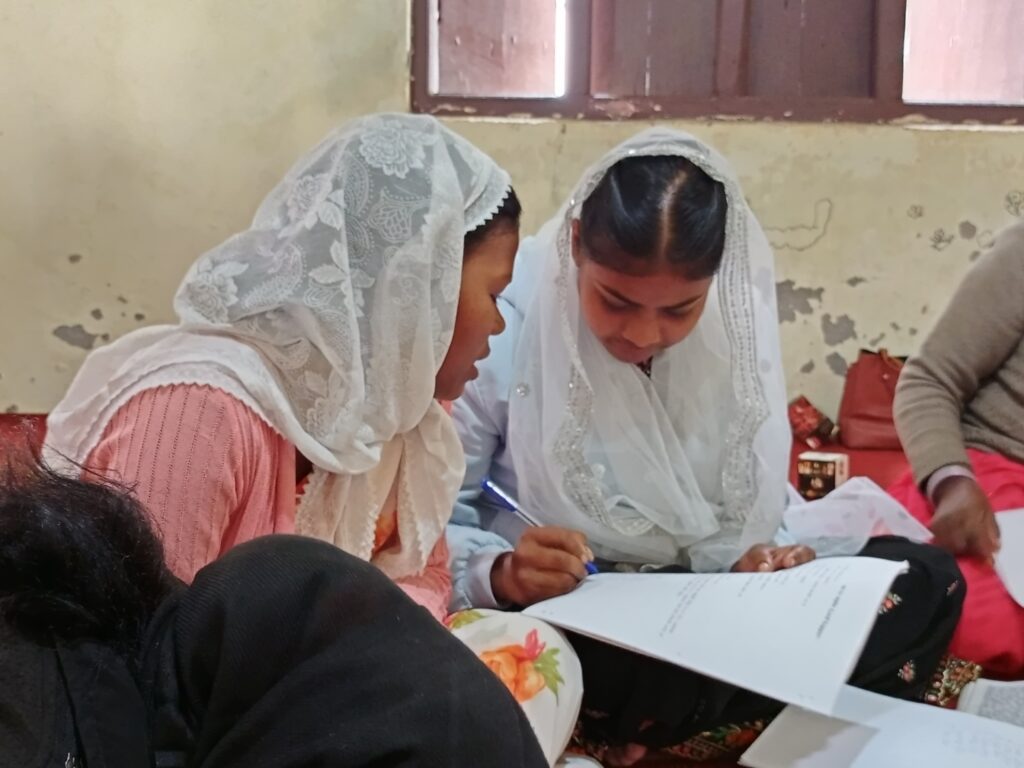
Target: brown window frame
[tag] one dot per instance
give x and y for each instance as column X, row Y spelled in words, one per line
column 885, row 105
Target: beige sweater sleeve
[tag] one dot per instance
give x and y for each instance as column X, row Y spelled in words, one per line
column 980, row 328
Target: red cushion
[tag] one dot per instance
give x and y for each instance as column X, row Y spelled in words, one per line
column 21, row 432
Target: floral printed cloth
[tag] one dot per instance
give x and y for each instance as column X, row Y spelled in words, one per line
column 536, row 663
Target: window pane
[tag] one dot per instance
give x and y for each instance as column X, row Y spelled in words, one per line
column 653, row 47
column 964, row 52
column 498, row 48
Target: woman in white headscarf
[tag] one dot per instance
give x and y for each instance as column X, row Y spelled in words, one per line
column 300, row 390
column 635, row 408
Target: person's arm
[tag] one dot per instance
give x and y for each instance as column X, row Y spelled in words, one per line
column 196, row 458
column 474, row 549
column 486, row 571
column 480, row 415
column 472, row 555
column 980, row 328
column 433, row 587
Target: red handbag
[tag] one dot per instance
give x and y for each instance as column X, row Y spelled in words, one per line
column 865, row 413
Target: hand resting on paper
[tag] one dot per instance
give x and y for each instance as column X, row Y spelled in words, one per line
column 547, row 562
column 766, row 558
column 964, row 522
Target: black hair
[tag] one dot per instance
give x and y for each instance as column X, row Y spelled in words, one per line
column 507, row 216
column 656, row 208
column 78, row 560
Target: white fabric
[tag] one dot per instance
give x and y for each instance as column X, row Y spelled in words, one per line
column 843, row 521
column 329, row 317
column 517, row 649
column 696, row 456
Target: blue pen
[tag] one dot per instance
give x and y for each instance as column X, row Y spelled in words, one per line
column 506, row 501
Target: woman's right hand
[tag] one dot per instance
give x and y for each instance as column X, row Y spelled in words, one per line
column 547, row 562
column 964, row 522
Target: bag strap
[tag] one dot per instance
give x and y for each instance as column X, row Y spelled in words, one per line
column 889, row 360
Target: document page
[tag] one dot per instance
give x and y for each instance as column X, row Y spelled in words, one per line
column 994, row 700
column 793, row 635
column 1010, row 558
column 869, row 730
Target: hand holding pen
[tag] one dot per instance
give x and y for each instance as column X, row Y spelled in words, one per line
column 547, row 561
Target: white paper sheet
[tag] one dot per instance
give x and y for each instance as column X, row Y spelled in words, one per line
column 794, row 635
column 869, row 730
column 1010, row 558
column 994, row 700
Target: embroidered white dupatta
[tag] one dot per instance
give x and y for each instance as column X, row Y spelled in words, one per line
column 694, row 458
column 329, row 317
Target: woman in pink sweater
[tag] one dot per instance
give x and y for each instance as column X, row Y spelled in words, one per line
column 300, row 391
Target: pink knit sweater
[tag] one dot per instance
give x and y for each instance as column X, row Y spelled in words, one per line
column 213, row 474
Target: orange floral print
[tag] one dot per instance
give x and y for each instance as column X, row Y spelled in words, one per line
column 385, row 532
column 525, row 669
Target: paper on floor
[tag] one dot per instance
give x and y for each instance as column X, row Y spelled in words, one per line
column 869, row 730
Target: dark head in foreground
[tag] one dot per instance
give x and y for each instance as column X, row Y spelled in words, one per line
column 286, row 651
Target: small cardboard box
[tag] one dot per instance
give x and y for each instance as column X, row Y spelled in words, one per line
column 820, row 473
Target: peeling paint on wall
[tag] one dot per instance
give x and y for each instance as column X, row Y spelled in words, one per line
column 795, row 301
column 76, row 336
column 837, row 363
column 1015, row 202
column 941, row 240
column 839, row 330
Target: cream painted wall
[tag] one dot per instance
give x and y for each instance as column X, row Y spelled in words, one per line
column 134, row 134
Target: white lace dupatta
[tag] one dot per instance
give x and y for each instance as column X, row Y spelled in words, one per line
column 329, row 317
column 693, row 458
